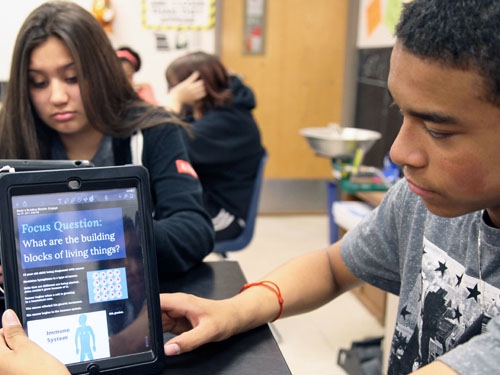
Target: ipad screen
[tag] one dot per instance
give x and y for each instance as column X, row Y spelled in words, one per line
column 81, row 273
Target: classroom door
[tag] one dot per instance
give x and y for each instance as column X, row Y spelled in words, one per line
column 297, row 81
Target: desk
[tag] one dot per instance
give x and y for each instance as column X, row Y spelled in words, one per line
column 250, row 353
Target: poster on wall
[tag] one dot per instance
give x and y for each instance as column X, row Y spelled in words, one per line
column 178, row 14
column 377, row 22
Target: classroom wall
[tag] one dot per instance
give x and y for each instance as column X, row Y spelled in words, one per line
column 127, row 30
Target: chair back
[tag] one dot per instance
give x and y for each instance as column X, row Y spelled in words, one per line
column 244, row 238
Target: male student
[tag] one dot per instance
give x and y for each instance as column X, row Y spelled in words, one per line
column 434, row 240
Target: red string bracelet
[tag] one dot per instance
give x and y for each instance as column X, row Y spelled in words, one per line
column 271, row 285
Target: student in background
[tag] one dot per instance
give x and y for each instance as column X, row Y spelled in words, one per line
column 131, row 63
column 223, row 140
column 68, row 98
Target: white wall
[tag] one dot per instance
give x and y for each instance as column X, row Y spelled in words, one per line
column 127, row 30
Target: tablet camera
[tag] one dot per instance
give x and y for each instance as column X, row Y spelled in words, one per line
column 74, row 184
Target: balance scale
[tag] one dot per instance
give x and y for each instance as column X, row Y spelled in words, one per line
column 346, row 148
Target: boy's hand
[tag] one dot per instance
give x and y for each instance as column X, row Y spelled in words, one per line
column 195, row 320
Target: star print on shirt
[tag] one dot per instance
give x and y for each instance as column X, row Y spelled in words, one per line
column 404, row 312
column 438, row 297
column 473, row 293
column 458, row 314
column 442, row 268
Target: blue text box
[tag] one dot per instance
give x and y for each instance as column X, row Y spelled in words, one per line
column 71, row 237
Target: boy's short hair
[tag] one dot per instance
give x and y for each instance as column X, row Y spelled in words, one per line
column 463, row 34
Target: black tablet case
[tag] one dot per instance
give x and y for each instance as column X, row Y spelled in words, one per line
column 88, row 179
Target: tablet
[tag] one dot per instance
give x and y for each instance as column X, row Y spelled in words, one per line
column 79, row 266
column 34, row 165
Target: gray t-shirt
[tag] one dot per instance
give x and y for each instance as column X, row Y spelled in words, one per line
column 431, row 262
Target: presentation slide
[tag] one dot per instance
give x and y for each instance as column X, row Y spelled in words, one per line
column 72, row 338
column 71, row 237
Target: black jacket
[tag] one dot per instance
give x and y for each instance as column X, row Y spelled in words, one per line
column 183, row 231
column 225, row 151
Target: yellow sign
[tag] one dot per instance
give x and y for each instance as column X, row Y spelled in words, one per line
column 178, row 14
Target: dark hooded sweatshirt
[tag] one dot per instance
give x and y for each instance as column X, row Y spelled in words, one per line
column 225, row 150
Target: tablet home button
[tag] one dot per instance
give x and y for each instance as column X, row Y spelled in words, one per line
column 93, row 369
